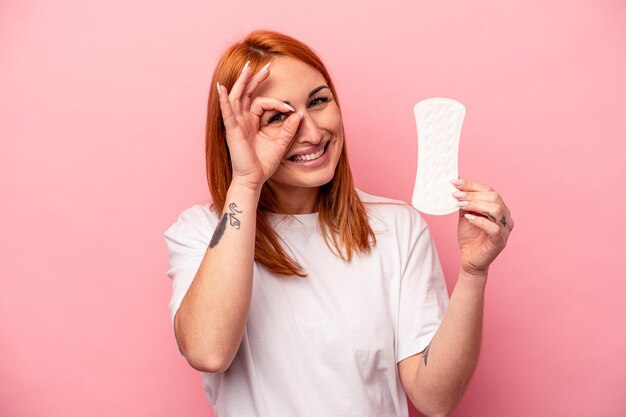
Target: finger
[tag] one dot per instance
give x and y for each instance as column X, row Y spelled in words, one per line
column 470, row 185
column 487, row 226
column 491, row 211
column 230, row 122
column 287, row 133
column 256, row 79
column 261, row 105
column 491, row 196
column 288, row 129
column 238, row 88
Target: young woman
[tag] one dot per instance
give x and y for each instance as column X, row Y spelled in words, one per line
column 297, row 294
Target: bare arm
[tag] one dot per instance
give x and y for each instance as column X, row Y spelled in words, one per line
column 210, row 322
column 436, row 379
column 211, row 319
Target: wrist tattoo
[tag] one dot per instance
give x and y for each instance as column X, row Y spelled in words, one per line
column 426, row 355
column 233, row 220
column 221, row 227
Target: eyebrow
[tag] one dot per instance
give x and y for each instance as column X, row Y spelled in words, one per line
column 311, row 93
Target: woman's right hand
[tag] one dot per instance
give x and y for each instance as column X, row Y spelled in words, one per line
column 254, row 155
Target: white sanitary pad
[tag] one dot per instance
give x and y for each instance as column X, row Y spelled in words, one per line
column 439, row 122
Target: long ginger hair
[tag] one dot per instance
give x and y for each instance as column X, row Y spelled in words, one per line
column 342, row 215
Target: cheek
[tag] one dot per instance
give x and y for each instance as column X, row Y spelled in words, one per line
column 332, row 121
column 338, row 129
column 337, row 121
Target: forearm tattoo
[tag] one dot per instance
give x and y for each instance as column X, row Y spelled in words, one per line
column 426, row 355
column 221, row 227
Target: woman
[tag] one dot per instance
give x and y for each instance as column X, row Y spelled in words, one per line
column 297, row 294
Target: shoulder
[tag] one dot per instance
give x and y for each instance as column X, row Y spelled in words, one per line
column 198, row 218
column 391, row 212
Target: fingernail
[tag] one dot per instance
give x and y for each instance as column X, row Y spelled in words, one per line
column 218, row 87
column 462, row 203
column 288, row 107
column 245, row 67
column 265, row 67
column 459, row 194
column 469, row 216
column 458, row 182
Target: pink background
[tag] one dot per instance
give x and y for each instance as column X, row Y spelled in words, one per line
column 101, row 119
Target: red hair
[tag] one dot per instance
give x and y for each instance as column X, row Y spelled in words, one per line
column 342, row 215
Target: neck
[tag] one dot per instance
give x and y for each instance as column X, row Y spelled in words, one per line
column 296, row 200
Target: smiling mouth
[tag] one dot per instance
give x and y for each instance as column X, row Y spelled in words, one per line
column 310, row 157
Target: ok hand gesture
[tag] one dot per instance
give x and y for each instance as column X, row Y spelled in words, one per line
column 254, row 155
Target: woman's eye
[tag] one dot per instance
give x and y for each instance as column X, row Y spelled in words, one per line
column 283, row 116
column 318, row 100
column 276, row 117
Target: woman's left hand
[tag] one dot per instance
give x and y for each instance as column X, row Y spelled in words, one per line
column 481, row 239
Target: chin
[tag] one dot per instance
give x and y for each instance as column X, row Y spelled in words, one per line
column 300, row 180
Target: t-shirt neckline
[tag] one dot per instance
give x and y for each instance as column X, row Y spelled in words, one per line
column 309, row 219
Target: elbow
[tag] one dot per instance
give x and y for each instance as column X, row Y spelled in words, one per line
column 433, row 407
column 434, row 412
column 440, row 400
column 441, row 413
column 438, row 412
column 199, row 359
column 205, row 363
column 442, row 408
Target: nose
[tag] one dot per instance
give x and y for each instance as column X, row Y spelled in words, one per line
column 308, row 130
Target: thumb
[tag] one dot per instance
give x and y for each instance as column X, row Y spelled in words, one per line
column 290, row 127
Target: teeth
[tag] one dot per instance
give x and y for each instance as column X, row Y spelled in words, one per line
column 309, row 157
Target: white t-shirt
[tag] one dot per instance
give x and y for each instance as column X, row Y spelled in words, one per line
column 328, row 344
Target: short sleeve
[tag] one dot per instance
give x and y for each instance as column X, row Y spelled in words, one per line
column 187, row 241
column 423, row 294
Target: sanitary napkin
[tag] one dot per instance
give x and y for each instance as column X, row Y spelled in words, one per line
column 439, row 122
